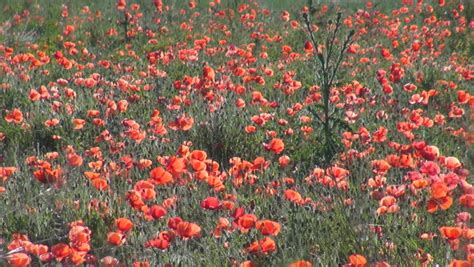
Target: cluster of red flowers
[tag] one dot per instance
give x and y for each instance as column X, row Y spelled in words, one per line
column 76, row 252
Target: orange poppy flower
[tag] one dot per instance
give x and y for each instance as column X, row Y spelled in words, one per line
column 247, row 264
column 173, row 222
column 264, row 246
column 176, row 165
column 208, row 73
column 51, row 155
column 250, row 129
column 211, row 203
column 380, row 166
column 34, row 95
column 247, row 221
column 439, row 190
column 48, row 175
column 188, row 230
column 337, row 172
column 93, row 113
column 452, row 163
column 240, row 103
column 15, row 116
column 6, row 172
column 100, row 184
column 260, row 163
column 469, row 234
column 268, row 227
column 92, row 175
column 51, row 122
column 79, row 234
column 276, row 145
column 406, row 161
column 284, row 161
column 198, row 155
column 77, row 257
column 420, row 183
column 157, row 211
column 442, row 203
column 182, row 123
column 451, row 232
column 144, row 163
column 141, row 264
column 357, row 260
column 293, row 196
column 115, row 238
column 460, row 263
column 198, row 165
column 388, row 201
column 430, row 152
column 135, row 199
column 158, row 243
column 161, row 176
column 74, row 160
column 61, row 251
column 467, row 200
column 124, row 224
column 301, row 263
column 19, row 259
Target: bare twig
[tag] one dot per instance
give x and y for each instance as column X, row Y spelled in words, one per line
column 328, row 70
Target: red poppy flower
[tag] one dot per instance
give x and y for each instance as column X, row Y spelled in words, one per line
column 268, row 227
column 115, row 238
column 210, row 203
column 208, row 73
column 158, row 243
column 264, row 246
column 357, row 260
column 176, row 165
column 161, row 176
column 124, row 224
column 61, row 251
column 467, row 200
column 157, row 211
column 276, row 145
column 247, row 221
column 15, row 116
column 451, row 232
column 301, row 263
column 19, row 259
column 293, row 196
column 6, row 172
column 443, row 203
column 460, row 263
column 188, row 230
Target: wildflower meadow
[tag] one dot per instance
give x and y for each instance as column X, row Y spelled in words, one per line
column 237, row 133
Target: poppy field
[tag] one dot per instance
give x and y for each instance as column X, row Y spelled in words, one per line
column 236, row 133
